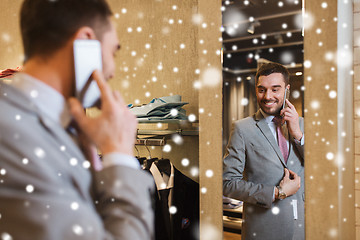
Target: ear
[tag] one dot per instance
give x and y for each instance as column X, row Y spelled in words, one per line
column 85, row 33
column 288, row 86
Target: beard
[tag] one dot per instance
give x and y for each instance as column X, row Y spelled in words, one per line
column 275, row 110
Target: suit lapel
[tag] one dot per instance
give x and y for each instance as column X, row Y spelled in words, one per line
column 15, row 97
column 265, row 130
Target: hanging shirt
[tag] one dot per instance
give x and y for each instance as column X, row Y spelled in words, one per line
column 163, row 181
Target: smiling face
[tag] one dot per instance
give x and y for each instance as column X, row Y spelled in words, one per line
column 270, row 91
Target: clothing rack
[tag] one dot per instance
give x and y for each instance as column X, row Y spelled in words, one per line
column 150, row 142
column 168, row 132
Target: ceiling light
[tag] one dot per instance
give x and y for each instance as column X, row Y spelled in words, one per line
column 251, row 28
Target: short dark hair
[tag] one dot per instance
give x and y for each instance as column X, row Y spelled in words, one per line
column 46, row 25
column 268, row 68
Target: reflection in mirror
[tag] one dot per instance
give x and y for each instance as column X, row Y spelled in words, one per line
column 257, row 32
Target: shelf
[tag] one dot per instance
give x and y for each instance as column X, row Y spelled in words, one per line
column 181, row 127
column 150, row 142
column 178, row 121
column 168, row 132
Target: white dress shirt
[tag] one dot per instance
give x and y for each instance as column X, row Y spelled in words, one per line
column 163, row 181
column 53, row 105
column 272, row 126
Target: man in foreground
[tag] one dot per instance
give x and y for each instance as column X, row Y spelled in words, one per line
column 264, row 165
column 52, row 184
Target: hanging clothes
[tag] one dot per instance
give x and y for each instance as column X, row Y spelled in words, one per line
column 180, row 194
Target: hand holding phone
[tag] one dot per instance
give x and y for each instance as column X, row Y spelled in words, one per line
column 291, row 118
column 114, row 129
column 286, row 96
column 87, row 58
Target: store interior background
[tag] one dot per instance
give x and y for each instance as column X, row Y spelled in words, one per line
column 255, row 32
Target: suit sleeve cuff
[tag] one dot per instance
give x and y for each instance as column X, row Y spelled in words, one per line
column 274, row 194
column 115, row 158
column 301, row 142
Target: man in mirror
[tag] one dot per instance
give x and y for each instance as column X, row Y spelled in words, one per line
column 264, row 161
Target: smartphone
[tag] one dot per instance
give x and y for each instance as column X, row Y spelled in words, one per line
column 286, row 96
column 87, row 58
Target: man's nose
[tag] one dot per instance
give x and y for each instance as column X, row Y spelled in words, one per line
column 268, row 95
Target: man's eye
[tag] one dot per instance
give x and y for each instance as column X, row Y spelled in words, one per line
column 261, row 90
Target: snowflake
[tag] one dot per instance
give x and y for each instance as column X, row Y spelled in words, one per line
column 244, row 101
column 74, row 206
column 194, row 171
column 333, row 232
column 209, row 173
column 177, row 139
column 6, row 236
column 211, row 77
column 329, row 156
column 25, row 161
column 172, row 210
column 40, row 153
column 174, row 112
column 167, row 148
column 86, row 164
column 185, row 162
column 197, row 19
column 34, row 94
column 192, row 118
column 73, row 161
column 78, row 230
column 6, row 37
column 275, row 210
column 29, row 188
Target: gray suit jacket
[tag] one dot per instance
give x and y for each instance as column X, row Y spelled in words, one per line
column 44, row 196
column 253, row 166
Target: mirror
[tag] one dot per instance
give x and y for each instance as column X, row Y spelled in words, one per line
column 256, row 32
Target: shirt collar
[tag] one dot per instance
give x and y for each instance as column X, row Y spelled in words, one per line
column 47, row 99
column 159, row 180
column 268, row 118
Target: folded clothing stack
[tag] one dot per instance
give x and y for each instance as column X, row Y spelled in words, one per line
column 162, row 108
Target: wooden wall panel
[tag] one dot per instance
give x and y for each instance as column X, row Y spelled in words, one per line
column 356, row 90
column 10, row 39
column 329, row 160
